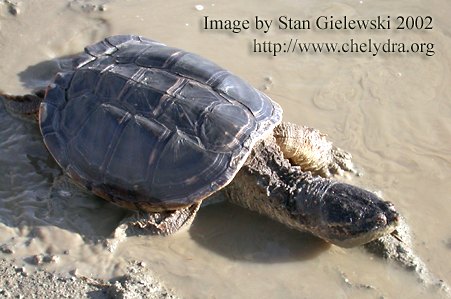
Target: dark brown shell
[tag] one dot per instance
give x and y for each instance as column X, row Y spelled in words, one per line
column 152, row 127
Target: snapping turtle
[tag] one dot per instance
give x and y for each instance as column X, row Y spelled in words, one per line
column 157, row 129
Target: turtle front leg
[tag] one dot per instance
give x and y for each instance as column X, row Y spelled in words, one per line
column 156, row 223
column 160, row 223
column 309, row 148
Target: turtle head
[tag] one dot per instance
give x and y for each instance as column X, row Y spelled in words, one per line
column 349, row 216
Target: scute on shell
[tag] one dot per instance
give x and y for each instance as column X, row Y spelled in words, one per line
column 152, row 127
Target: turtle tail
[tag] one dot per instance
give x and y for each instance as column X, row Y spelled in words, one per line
column 26, row 105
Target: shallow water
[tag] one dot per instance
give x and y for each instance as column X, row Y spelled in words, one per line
column 392, row 111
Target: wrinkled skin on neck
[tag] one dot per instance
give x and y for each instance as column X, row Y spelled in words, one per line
column 339, row 213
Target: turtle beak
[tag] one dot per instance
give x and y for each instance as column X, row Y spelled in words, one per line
column 352, row 216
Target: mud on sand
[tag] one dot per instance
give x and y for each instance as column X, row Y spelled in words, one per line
column 17, row 282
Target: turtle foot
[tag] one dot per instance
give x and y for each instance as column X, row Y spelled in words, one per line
column 160, row 223
column 340, row 163
column 309, row 148
column 157, row 223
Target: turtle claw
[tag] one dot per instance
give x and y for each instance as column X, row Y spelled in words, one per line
column 310, row 149
column 340, row 163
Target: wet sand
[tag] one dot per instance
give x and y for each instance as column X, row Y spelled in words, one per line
column 17, row 282
column 391, row 111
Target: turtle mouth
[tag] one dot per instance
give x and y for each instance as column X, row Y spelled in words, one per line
column 352, row 216
column 376, row 229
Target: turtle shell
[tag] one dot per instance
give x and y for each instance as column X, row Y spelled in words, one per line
column 149, row 126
